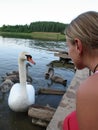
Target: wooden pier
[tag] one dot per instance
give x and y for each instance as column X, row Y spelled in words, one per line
column 68, row 101
column 63, row 55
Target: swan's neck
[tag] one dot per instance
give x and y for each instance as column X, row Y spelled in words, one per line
column 22, row 72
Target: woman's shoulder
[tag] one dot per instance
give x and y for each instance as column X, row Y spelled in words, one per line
column 88, row 88
column 90, row 82
column 87, row 103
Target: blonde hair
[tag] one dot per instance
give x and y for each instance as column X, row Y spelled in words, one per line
column 84, row 27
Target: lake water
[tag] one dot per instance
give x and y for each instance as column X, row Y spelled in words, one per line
column 9, row 51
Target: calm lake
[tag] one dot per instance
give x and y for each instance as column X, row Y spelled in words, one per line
column 9, row 51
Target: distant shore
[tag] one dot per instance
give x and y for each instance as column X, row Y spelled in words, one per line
column 51, row 36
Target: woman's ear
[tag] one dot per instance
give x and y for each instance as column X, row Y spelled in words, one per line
column 79, row 46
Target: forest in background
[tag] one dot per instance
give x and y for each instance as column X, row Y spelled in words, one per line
column 35, row 27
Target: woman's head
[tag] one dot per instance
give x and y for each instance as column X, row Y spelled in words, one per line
column 84, row 27
column 82, row 38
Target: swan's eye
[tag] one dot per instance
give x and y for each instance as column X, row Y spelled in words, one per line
column 28, row 56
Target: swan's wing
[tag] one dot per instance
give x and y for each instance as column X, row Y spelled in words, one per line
column 31, row 94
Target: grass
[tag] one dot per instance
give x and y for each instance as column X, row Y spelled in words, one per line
column 35, row 35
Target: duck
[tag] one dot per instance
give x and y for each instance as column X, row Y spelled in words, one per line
column 6, row 85
column 14, row 75
column 54, row 78
column 22, row 94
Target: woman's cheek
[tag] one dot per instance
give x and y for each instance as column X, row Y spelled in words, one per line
column 69, row 53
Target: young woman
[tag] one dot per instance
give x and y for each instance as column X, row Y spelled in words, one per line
column 82, row 41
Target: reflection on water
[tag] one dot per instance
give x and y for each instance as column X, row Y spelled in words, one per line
column 9, row 51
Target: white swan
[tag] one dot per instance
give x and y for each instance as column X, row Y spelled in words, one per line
column 22, row 95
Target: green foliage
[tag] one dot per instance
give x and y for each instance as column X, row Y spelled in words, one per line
column 35, row 27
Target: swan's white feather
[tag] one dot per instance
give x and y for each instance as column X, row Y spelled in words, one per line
column 21, row 95
column 20, row 99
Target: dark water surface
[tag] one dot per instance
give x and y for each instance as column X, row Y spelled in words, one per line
column 9, row 51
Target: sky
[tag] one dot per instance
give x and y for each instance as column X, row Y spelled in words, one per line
column 21, row 12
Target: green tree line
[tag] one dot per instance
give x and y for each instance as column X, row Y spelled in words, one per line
column 35, row 27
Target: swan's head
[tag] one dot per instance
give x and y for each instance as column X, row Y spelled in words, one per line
column 25, row 56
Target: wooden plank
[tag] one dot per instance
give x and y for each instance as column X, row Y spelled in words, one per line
column 39, row 122
column 59, row 51
column 51, row 91
column 62, row 55
column 41, row 112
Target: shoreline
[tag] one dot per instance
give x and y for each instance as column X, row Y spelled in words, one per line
column 46, row 36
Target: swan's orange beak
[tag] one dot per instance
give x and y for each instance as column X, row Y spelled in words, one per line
column 31, row 60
